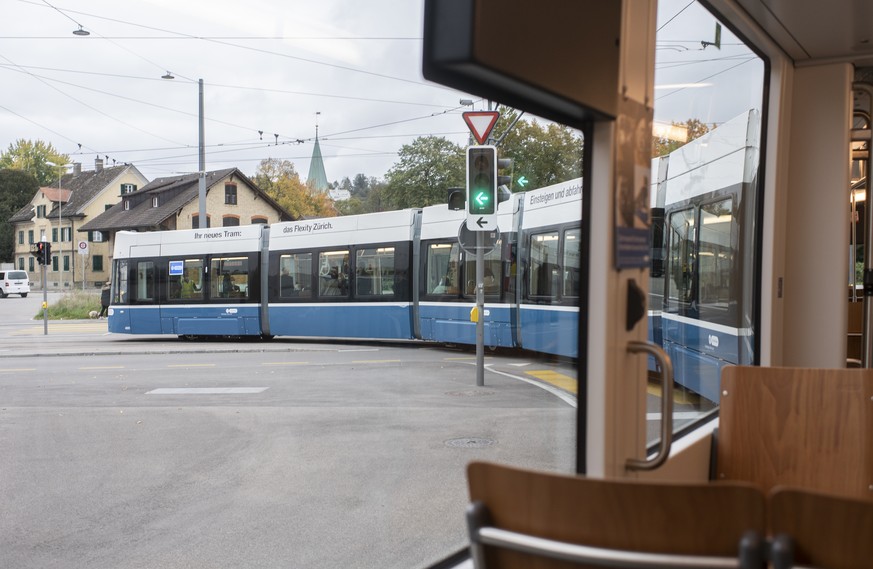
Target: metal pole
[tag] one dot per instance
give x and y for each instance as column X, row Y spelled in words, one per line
column 480, row 307
column 201, row 185
column 45, row 322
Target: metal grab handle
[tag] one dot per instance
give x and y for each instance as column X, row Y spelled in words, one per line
column 666, row 406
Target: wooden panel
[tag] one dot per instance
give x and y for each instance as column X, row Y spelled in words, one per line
column 831, row 532
column 664, row 518
column 807, row 428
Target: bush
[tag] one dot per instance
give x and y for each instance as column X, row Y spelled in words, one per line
column 73, row 305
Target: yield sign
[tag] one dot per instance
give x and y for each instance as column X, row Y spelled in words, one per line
column 481, row 123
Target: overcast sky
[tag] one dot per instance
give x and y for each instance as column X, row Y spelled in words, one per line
column 269, row 68
column 267, row 65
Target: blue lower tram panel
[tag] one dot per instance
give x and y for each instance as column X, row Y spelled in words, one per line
column 371, row 320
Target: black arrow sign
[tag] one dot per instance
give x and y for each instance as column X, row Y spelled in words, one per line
column 481, row 222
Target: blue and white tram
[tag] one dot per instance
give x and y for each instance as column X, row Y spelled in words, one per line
column 188, row 282
column 399, row 275
column 704, row 318
column 550, row 249
column 447, row 289
column 343, row 277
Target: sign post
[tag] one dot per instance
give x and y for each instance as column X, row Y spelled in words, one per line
column 82, row 248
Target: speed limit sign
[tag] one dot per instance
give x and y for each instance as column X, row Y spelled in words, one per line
column 83, row 247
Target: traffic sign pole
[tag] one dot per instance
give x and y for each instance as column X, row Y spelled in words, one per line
column 480, row 305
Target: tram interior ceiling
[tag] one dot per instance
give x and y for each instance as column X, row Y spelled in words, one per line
column 467, row 46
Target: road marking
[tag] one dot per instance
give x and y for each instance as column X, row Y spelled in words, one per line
column 521, row 365
column 284, row 363
column 205, row 390
column 376, row 361
column 360, row 350
column 190, row 365
column 559, row 380
column 465, row 358
column 101, row 367
column 560, row 394
column 14, row 370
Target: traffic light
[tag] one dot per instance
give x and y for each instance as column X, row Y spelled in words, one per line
column 481, row 180
column 456, row 198
column 42, row 250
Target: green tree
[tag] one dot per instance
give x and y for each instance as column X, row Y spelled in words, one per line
column 693, row 128
column 33, row 158
column 17, row 188
column 544, row 154
column 280, row 180
column 426, row 168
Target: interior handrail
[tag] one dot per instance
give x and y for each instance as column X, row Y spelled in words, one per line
column 666, row 406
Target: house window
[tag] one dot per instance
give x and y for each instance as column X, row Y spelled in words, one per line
column 66, row 234
column 40, row 211
column 66, row 262
column 127, row 188
column 195, row 221
column 54, row 263
column 97, row 263
column 54, row 234
column 21, row 237
column 107, row 206
column 31, row 264
column 230, row 221
column 21, row 263
column 155, row 201
column 95, row 236
column 30, row 236
column 259, row 219
column 126, row 205
column 230, row 194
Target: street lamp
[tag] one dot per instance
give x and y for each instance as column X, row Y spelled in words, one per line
column 201, row 161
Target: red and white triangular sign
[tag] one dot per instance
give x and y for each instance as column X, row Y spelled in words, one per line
column 481, row 123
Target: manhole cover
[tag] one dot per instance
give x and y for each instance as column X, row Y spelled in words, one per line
column 470, row 442
column 469, row 393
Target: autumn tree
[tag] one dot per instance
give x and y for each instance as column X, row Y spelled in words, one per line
column 17, row 188
column 280, row 180
column 34, row 158
column 691, row 129
column 544, row 153
column 425, row 170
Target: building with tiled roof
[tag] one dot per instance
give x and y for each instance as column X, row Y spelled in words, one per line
column 57, row 213
column 173, row 203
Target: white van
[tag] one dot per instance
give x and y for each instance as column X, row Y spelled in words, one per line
column 14, row 282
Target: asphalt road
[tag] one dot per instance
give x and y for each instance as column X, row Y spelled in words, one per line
column 126, row 452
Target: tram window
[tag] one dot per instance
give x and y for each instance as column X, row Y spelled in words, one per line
column 681, row 255
column 572, row 250
column 374, row 272
column 544, row 275
column 295, row 279
column 715, row 257
column 333, row 273
column 230, row 277
column 121, row 283
column 189, row 284
column 443, row 260
column 145, row 282
column 492, row 271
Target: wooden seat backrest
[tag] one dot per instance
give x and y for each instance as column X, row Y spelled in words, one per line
column 805, row 428
column 827, row 531
column 691, row 519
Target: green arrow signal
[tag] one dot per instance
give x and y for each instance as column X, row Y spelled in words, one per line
column 522, row 181
column 482, row 199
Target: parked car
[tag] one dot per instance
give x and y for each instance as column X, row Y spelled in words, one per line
column 14, row 282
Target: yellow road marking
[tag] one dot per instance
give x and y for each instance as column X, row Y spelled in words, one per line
column 102, row 367
column 679, row 395
column 13, row 370
column 376, row 361
column 560, row 380
column 464, row 358
column 284, row 363
column 191, row 365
